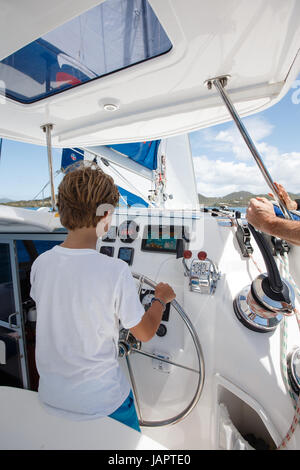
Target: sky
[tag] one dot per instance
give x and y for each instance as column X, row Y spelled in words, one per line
column 222, row 162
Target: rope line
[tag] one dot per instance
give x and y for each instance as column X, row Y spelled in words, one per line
column 295, row 398
column 292, row 428
column 283, row 352
column 255, row 263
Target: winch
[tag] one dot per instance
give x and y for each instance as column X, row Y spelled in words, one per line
column 293, row 368
column 261, row 305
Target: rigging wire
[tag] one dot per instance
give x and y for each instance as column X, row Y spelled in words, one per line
column 47, row 184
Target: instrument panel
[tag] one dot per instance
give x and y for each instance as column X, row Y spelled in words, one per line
column 107, row 250
column 161, row 238
column 152, row 238
column 111, row 235
column 128, row 231
column 126, row 254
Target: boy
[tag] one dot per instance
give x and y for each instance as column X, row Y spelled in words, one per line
column 80, row 296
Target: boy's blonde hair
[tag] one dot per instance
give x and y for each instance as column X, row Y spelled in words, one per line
column 83, row 189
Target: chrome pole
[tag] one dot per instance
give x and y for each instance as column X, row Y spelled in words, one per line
column 220, row 83
column 47, row 128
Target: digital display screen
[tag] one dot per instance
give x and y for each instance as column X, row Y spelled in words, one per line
column 161, row 238
column 111, row 235
column 126, row 254
column 107, row 250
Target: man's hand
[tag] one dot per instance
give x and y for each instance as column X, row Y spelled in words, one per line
column 284, row 196
column 164, row 292
column 260, row 214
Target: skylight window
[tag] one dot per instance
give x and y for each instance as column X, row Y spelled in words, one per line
column 110, row 37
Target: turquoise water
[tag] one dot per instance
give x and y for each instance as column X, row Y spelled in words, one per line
column 241, row 209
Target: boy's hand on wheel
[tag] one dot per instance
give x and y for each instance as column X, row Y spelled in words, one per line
column 164, row 292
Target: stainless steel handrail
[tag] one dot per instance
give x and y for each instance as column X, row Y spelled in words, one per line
column 220, row 83
column 47, row 128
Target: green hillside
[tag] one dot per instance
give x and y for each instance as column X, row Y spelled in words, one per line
column 235, row 199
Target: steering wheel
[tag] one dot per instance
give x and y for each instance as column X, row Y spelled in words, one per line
column 128, row 345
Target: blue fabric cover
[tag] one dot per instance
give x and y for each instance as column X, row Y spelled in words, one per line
column 279, row 213
column 131, row 198
column 70, row 156
column 144, row 153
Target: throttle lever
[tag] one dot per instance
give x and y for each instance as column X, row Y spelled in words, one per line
column 274, row 279
column 272, row 285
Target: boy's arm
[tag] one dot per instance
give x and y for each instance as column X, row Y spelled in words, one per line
column 148, row 326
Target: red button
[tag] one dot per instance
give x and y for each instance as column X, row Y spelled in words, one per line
column 187, row 254
column 202, row 255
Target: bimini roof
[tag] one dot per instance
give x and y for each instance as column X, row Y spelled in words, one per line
column 117, row 71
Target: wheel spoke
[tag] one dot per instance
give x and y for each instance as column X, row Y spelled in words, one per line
column 134, row 389
column 141, row 282
column 154, row 356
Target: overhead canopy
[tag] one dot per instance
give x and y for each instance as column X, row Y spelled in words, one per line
column 147, row 83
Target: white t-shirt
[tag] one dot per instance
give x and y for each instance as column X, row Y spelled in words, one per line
column 80, row 296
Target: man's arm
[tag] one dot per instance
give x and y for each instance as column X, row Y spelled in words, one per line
column 261, row 215
column 288, row 230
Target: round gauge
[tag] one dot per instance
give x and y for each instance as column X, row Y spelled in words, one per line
column 128, row 231
column 146, row 300
column 111, row 235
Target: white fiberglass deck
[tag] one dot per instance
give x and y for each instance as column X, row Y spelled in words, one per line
column 242, row 368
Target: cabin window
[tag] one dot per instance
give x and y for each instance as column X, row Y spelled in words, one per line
column 110, row 37
column 28, row 251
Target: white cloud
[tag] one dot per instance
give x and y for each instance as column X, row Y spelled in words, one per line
column 231, row 140
column 220, row 177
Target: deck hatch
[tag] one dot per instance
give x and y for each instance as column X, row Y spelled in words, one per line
column 107, row 38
